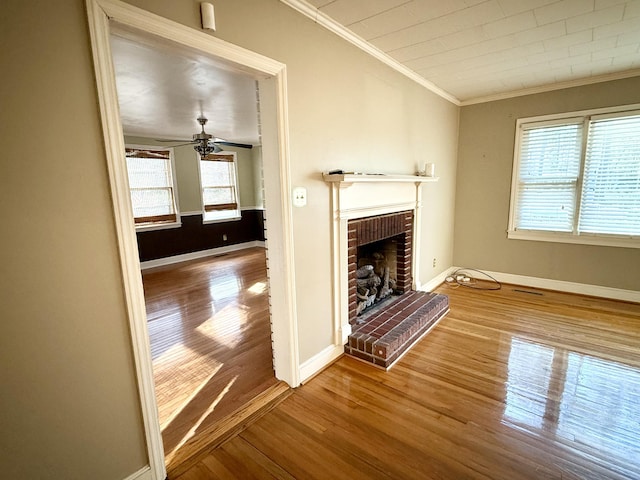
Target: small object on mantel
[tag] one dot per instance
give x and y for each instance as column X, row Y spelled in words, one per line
column 346, row 179
column 343, row 172
column 428, row 171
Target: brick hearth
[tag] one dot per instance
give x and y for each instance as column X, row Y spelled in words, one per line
column 389, row 332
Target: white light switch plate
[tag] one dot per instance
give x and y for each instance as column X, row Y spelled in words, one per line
column 299, row 197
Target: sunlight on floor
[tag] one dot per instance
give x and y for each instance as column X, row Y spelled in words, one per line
column 224, row 287
column 553, row 391
column 227, row 326
column 203, row 417
column 257, row 288
column 189, row 398
column 178, row 382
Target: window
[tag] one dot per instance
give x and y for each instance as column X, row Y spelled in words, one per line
column 219, row 187
column 576, row 179
column 152, row 187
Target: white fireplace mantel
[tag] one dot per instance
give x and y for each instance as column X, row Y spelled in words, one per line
column 363, row 195
column 348, row 179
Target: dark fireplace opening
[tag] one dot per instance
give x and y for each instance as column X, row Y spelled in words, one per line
column 377, row 273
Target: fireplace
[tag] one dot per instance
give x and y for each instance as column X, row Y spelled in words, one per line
column 376, row 221
column 380, row 255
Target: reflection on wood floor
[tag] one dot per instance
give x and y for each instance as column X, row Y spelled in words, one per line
column 510, row 385
column 210, row 340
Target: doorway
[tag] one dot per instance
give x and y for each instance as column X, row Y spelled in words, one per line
column 271, row 78
column 207, row 309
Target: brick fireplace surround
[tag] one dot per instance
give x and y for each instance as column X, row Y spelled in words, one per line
column 391, row 329
column 362, row 214
column 362, row 231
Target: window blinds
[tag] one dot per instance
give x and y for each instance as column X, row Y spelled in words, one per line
column 151, row 185
column 549, row 168
column 218, row 182
column 611, row 186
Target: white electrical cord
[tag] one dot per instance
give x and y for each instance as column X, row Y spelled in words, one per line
column 461, row 279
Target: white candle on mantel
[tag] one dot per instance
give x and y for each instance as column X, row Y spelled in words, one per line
column 429, row 169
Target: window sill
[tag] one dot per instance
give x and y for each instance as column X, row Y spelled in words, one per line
column 157, row 226
column 599, row 240
column 235, row 218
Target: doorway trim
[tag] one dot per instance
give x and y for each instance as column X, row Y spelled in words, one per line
column 271, row 76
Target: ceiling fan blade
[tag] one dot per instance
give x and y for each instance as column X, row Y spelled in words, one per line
column 233, row 144
column 173, row 141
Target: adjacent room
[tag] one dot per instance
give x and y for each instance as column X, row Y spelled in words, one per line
column 321, row 239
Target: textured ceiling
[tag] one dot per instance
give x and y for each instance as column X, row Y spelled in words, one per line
column 476, row 49
column 163, row 89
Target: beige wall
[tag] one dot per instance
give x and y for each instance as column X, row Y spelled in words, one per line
column 258, row 181
column 487, row 133
column 69, row 405
column 346, row 110
column 246, row 180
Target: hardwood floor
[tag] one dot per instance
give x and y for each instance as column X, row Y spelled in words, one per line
column 510, row 385
column 210, row 340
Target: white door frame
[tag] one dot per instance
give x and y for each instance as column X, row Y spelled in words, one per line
column 271, row 76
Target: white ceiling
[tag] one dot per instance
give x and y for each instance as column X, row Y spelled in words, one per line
column 479, row 49
column 162, row 90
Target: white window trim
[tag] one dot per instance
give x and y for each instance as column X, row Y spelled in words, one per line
column 231, row 218
column 561, row 237
column 148, row 227
column 221, row 220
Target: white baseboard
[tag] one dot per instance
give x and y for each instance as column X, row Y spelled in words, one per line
column 319, row 361
column 435, row 281
column 142, row 474
column 569, row 287
column 160, row 262
column 545, row 283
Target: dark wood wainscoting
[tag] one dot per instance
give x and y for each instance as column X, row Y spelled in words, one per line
column 194, row 236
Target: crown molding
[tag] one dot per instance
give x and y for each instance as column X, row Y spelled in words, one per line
column 330, row 24
column 608, row 77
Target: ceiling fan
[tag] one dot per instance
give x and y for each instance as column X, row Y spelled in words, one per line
column 204, row 143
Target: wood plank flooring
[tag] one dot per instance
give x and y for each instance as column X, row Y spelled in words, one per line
column 510, row 385
column 210, row 340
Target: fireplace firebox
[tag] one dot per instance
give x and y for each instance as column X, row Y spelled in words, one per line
column 389, row 236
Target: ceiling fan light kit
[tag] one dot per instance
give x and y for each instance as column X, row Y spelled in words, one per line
column 203, row 144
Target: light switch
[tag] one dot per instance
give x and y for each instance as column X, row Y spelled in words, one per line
column 299, row 197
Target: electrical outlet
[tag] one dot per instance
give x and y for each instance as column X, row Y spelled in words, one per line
column 434, row 262
column 299, row 196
